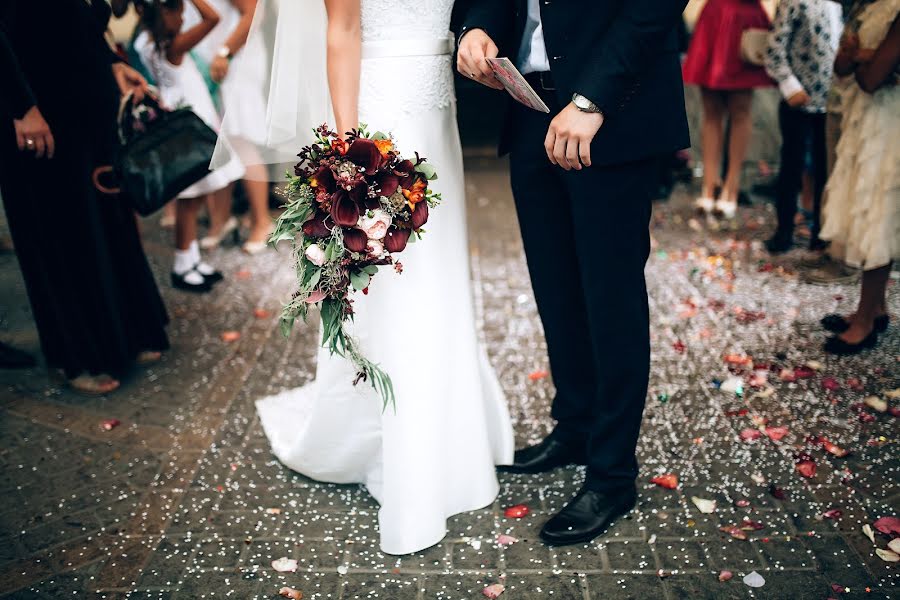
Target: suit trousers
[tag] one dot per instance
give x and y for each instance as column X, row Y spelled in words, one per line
column 586, row 237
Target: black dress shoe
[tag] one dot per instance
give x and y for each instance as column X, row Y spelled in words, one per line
column 12, row 358
column 835, row 345
column 588, row 515
column 780, row 243
column 546, row 456
column 838, row 324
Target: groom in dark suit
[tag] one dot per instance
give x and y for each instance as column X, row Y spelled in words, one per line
column 583, row 178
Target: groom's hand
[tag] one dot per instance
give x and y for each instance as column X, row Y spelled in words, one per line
column 568, row 141
column 474, row 47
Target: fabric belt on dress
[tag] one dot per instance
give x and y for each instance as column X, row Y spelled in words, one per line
column 541, row 81
column 408, row 47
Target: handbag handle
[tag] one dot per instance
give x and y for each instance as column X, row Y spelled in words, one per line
column 95, row 177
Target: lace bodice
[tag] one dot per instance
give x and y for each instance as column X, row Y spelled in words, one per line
column 403, row 19
column 427, row 80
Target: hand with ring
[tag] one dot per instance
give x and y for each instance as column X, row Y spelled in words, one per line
column 33, row 134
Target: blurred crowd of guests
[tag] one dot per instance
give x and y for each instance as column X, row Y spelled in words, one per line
column 94, row 299
column 836, row 66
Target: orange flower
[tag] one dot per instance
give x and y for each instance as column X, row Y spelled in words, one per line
column 416, row 193
column 339, row 145
column 384, row 146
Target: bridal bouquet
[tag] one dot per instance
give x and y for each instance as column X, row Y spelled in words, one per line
column 352, row 206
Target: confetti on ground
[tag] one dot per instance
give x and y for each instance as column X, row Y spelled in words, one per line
column 518, row 511
column 231, row 336
column 109, row 424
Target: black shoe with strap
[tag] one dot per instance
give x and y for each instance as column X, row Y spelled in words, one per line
column 836, row 323
column 835, row 345
column 553, row 452
column 588, row 515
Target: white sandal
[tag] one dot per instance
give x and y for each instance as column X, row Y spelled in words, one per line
column 704, row 205
column 213, row 241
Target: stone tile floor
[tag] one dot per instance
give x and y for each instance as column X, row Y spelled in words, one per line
column 183, row 500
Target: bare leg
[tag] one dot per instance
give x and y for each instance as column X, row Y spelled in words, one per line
column 218, row 204
column 256, row 184
column 257, row 188
column 186, row 210
column 712, row 138
column 872, row 304
column 740, row 104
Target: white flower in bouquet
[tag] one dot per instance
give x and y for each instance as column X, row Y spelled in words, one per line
column 316, row 255
column 375, row 248
column 376, row 226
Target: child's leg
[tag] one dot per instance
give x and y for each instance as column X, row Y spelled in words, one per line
column 186, row 210
column 793, row 125
column 820, row 176
column 712, row 138
column 740, row 105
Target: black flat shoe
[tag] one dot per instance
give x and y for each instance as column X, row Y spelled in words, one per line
column 546, row 456
column 838, row 324
column 587, row 516
column 178, row 282
column 835, row 345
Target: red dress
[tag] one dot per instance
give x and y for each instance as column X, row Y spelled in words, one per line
column 714, row 56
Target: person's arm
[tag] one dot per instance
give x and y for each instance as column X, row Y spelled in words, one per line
column 344, row 61
column 882, row 68
column 17, row 94
column 625, row 50
column 484, row 24
column 186, row 41
column 845, row 60
column 778, row 65
column 218, row 68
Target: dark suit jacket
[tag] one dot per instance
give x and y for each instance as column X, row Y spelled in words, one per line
column 621, row 54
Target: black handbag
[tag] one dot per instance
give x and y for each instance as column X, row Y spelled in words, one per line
column 162, row 153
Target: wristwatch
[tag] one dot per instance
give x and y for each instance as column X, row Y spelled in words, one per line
column 584, row 105
column 224, row 52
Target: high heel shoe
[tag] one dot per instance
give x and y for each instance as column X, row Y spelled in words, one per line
column 253, row 248
column 839, row 347
column 211, row 241
column 838, row 324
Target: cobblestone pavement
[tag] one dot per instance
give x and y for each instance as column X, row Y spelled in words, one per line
column 183, row 499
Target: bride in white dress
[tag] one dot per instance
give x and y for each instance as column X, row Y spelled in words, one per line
column 435, row 455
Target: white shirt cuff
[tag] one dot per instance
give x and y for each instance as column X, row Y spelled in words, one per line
column 790, row 86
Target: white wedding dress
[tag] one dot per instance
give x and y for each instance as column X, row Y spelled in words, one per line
column 434, row 456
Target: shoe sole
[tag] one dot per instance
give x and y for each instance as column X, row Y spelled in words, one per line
column 584, row 539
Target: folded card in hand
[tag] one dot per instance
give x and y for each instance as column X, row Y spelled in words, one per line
column 507, row 73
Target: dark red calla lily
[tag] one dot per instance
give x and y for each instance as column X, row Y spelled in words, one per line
column 344, row 211
column 364, row 153
column 316, row 228
column 323, row 178
column 419, row 215
column 396, row 239
column 388, row 182
column 355, row 240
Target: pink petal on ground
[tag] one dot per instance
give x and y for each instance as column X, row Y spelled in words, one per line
column 517, row 512
column 807, row 468
column 749, row 434
column 776, row 433
column 493, row 591
column 725, row 575
column 888, row 525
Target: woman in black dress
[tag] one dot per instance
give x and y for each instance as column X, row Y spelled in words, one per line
column 94, row 299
